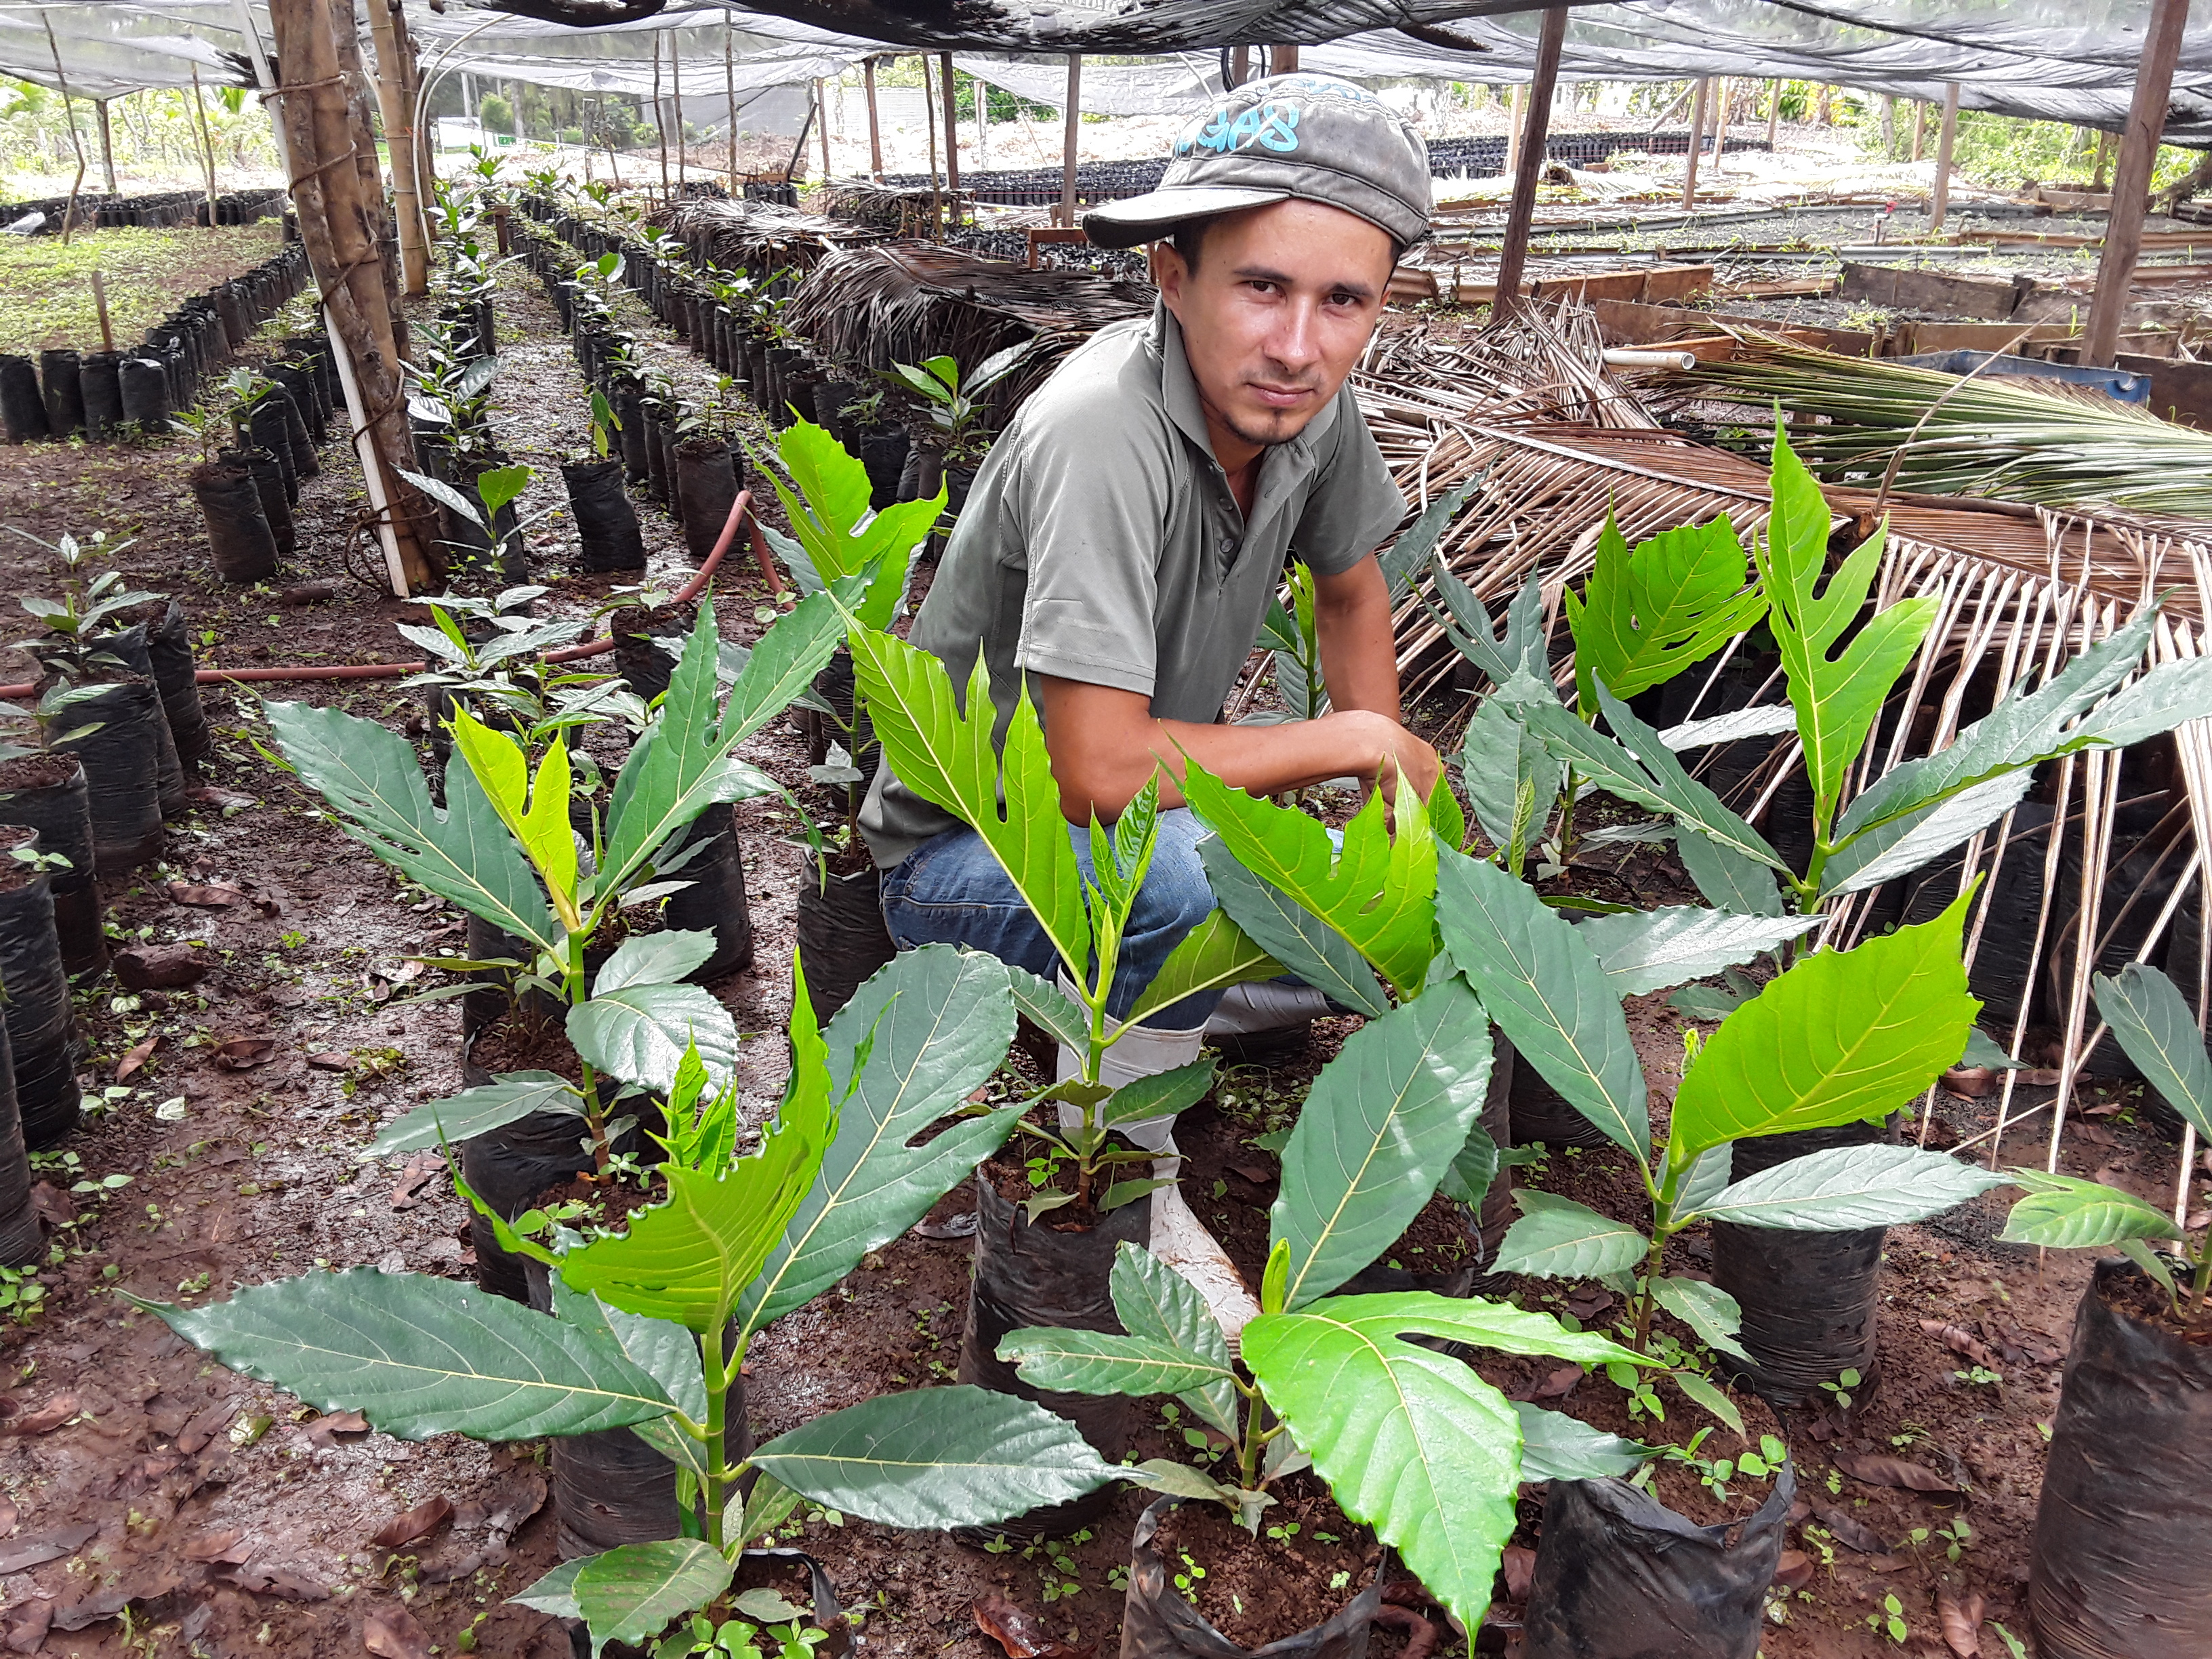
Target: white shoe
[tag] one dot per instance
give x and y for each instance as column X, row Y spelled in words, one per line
column 1180, row 1239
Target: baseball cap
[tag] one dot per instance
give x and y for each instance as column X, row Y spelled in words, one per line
column 1309, row 136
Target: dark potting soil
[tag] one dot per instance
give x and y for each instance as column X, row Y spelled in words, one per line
column 2140, row 1298
column 1257, row 1590
column 35, row 772
column 15, row 874
column 1007, row 1170
column 519, row 1045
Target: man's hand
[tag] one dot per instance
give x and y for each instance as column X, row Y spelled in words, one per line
column 1104, row 744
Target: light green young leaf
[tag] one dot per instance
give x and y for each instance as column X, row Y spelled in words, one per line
column 1645, row 951
column 1837, row 696
column 937, row 1023
column 639, row 1033
column 2063, row 1212
column 418, row 1356
column 2157, row 1029
column 1848, row 1188
column 957, row 1457
column 508, row 1098
column 831, row 517
column 1378, row 891
column 1155, row 1301
column 1383, row 1123
column 1547, row 991
column 946, row 757
column 632, row 1591
column 1411, row 1442
column 1214, row 956
column 1293, row 935
column 370, row 776
column 1840, row 1036
column 1710, row 1312
column 1559, row 1238
column 1646, row 615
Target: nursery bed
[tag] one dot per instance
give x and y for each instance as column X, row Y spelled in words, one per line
column 47, row 288
column 237, row 1175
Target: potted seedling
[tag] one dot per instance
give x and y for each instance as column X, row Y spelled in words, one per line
column 958, row 412
column 485, row 534
column 649, row 1328
column 2130, row 1436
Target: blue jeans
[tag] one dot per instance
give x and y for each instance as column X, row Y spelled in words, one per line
column 950, row 890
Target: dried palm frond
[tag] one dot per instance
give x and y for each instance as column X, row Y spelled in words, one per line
column 2006, row 439
column 760, row 237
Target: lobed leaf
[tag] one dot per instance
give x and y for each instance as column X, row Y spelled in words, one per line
column 1646, row 614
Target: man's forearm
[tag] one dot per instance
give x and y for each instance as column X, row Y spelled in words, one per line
column 1358, row 650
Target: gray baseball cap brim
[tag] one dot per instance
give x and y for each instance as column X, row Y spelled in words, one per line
column 1147, row 218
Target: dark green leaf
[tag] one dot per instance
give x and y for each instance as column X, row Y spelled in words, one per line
column 2065, row 1213
column 1100, row 1362
column 508, row 1098
column 1559, row 1238
column 1157, row 1303
column 1291, row 935
column 639, row 1033
column 660, row 958
column 1556, row 1447
column 633, row 1591
column 1643, row 951
column 1847, row 1188
column 2158, row 1031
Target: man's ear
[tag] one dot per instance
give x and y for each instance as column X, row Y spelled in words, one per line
column 1169, row 274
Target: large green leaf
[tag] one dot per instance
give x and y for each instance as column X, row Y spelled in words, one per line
column 1846, row 1188
column 1293, row 935
column 1155, row 1301
column 1643, row 951
column 833, row 520
column 1559, row 1238
column 1898, row 845
column 1412, row 1442
column 2064, row 1212
column 685, row 762
column 508, row 1098
column 2158, row 1032
column 1384, row 1121
column 632, row 1591
column 1557, row 1447
column 1377, row 891
column 1512, row 780
column 1712, row 1314
column 1521, row 653
column 660, row 958
column 1102, row 1361
column 1837, row 695
column 370, row 776
column 418, row 1356
column 639, row 1033
column 688, row 1259
column 937, row 1457
column 941, row 749
column 1417, row 544
column 1841, row 1035
column 1645, row 615
column 936, row 1023
column 1214, row 956
column 1547, row 992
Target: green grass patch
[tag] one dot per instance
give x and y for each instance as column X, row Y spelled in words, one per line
column 45, row 289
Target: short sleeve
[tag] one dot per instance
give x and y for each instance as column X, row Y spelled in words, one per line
column 1354, row 504
column 1092, row 502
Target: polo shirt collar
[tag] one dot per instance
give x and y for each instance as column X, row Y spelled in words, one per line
column 1179, row 395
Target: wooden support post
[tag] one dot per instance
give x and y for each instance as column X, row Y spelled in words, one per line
column 951, row 133
column 207, row 150
column 929, row 124
column 1773, row 110
column 397, row 104
column 346, row 41
column 1720, row 114
column 1919, row 131
column 875, row 127
column 982, row 121
column 1939, row 203
column 660, row 116
column 730, row 92
column 2103, row 160
column 1074, row 113
column 1240, row 67
column 1284, row 60
column 100, row 304
column 676, row 99
column 1517, row 109
column 336, row 228
column 1513, row 254
column 1697, row 142
column 2115, row 269
column 821, row 115
column 106, row 149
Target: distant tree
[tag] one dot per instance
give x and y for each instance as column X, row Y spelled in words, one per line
column 496, row 113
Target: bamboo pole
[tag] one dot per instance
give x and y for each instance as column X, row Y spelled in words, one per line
column 357, row 82
column 929, row 125
column 875, row 128
column 1516, row 110
column 1939, row 204
column 822, row 108
column 100, row 304
column 207, row 150
column 107, row 148
column 660, row 116
column 2116, row 270
column 1513, row 252
column 676, row 100
column 730, row 92
column 398, row 111
column 1697, row 142
column 1773, row 110
column 951, row 133
column 336, row 229
column 1720, row 114
column 1074, row 114
column 69, row 114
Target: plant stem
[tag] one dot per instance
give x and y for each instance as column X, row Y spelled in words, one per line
column 2203, row 1277
column 1654, row 1265
column 1567, row 818
column 719, row 1473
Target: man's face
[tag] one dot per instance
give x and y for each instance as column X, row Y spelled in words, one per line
column 1283, row 301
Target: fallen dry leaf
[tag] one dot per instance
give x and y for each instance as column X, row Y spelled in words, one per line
column 213, row 898
column 222, row 799
column 209, row 1423
column 1849, row 1530
column 1559, row 1383
column 1795, row 1570
column 1959, row 1340
column 242, row 1053
column 1970, row 1082
column 133, row 1061
column 1023, row 1634
column 321, row 1431
column 420, row 1522
column 228, row 1545
column 161, row 968
column 45, row 1420
column 406, row 1192
column 331, row 1059
column 43, row 1546
column 27, row 1625
column 9, row 1513
column 1961, row 1618
column 269, row 1581
column 1878, row 1469
column 1520, row 1564
column 395, row 1635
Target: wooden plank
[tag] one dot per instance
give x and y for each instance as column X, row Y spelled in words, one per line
column 2161, row 47
column 2180, row 393
column 1902, row 289
column 1665, row 283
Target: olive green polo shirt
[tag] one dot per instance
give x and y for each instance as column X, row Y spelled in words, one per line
column 1101, row 543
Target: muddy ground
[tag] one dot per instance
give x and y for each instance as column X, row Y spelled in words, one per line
column 152, row 1501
